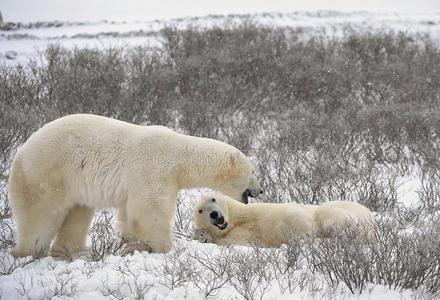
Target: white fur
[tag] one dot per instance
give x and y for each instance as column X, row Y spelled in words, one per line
column 270, row 224
column 78, row 163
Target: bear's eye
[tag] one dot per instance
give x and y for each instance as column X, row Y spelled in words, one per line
column 213, row 200
column 200, row 211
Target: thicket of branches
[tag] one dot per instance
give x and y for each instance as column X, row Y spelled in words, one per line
column 322, row 118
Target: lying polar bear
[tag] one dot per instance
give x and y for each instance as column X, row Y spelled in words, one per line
column 223, row 221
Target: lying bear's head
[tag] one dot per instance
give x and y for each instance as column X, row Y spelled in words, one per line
column 211, row 213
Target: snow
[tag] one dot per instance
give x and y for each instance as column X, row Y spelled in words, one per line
column 132, row 23
column 84, row 10
column 127, row 276
column 21, row 44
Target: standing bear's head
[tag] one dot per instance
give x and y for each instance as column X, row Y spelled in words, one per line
column 238, row 180
column 210, row 163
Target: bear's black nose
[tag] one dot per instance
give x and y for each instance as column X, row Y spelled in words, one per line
column 213, row 215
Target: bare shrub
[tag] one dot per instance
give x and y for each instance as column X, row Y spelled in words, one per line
column 21, row 287
column 128, row 283
column 176, row 269
column 213, row 270
column 250, row 273
column 407, row 260
column 60, row 283
column 63, row 285
column 290, row 270
column 319, row 169
column 286, row 263
column 7, row 234
column 408, row 216
column 377, row 190
column 136, row 289
column 341, row 259
column 105, row 240
column 8, row 263
column 397, row 260
column 183, row 225
column 429, row 193
column 85, row 80
column 231, row 83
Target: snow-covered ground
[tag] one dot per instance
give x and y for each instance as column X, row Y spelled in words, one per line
column 128, row 10
column 126, row 277
column 23, row 40
column 183, row 273
column 141, row 274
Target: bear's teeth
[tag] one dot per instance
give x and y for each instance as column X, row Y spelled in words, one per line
column 223, row 226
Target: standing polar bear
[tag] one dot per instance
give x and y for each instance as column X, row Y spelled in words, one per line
column 78, row 163
column 223, row 221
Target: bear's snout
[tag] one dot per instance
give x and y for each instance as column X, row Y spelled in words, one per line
column 216, row 218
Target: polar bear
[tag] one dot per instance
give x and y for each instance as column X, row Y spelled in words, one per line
column 223, row 221
column 78, row 163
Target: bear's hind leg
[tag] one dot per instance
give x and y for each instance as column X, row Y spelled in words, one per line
column 330, row 222
column 71, row 237
column 36, row 228
column 39, row 205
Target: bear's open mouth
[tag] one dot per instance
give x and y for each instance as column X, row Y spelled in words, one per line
column 222, row 226
column 250, row 193
column 244, row 197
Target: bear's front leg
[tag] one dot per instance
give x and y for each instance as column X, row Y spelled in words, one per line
column 149, row 221
column 131, row 242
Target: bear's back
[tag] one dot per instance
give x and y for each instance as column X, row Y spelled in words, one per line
column 354, row 208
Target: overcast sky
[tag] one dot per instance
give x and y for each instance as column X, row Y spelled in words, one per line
column 94, row 10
